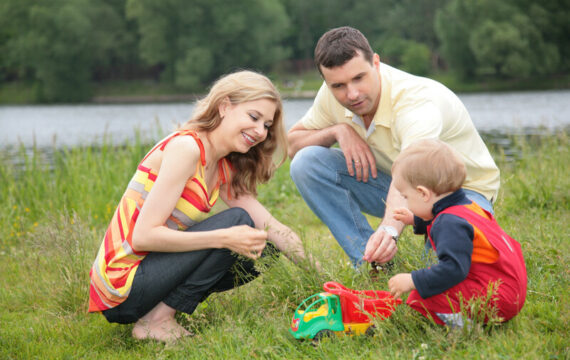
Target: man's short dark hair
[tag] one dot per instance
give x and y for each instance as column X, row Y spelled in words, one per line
column 337, row 46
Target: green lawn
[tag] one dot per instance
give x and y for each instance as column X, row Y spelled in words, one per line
column 55, row 207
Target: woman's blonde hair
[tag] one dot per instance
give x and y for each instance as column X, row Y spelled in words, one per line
column 257, row 165
column 433, row 164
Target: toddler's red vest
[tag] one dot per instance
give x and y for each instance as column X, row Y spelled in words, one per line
column 509, row 267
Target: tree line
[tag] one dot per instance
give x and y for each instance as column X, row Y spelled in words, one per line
column 62, row 47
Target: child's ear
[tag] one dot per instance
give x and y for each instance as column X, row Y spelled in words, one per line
column 424, row 192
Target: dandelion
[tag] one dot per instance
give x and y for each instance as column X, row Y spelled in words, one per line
column 27, row 209
column 424, row 346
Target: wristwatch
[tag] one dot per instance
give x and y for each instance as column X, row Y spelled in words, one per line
column 390, row 230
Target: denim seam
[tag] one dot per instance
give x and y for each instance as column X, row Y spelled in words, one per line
column 346, row 173
column 361, row 230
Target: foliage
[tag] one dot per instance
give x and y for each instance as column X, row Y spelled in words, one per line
column 416, row 59
column 198, row 40
column 60, row 48
column 310, row 19
column 508, row 38
column 57, row 43
column 55, row 210
column 381, row 21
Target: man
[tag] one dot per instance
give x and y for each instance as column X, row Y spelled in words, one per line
column 373, row 111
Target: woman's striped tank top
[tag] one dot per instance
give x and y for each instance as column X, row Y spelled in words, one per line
column 114, row 268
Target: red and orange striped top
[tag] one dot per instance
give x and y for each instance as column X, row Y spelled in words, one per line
column 114, row 268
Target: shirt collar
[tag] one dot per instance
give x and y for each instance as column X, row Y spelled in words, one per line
column 456, row 198
column 358, row 120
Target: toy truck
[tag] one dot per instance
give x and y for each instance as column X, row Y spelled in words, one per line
column 341, row 311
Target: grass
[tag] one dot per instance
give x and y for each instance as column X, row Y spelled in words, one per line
column 56, row 205
column 17, row 93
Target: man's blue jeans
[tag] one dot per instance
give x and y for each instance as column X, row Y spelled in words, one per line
column 339, row 200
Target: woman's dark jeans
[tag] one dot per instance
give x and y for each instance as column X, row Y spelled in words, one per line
column 183, row 280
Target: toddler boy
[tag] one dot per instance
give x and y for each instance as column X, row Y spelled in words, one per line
column 472, row 250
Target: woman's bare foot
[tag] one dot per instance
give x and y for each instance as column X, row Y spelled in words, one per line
column 159, row 324
column 167, row 331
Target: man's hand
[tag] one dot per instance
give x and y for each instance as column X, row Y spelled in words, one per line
column 401, row 284
column 381, row 247
column 356, row 151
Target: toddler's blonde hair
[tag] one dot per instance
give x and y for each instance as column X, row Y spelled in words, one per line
column 433, row 164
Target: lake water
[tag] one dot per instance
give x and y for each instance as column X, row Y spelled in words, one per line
column 70, row 125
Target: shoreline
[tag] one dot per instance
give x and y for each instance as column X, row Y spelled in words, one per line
column 134, row 99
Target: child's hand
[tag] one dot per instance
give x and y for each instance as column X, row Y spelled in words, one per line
column 401, row 284
column 404, row 215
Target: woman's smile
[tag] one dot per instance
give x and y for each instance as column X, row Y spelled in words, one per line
column 248, row 139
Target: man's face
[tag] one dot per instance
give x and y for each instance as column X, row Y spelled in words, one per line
column 356, row 85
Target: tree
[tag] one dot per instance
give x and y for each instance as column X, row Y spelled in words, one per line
column 56, row 43
column 411, row 20
column 497, row 38
column 311, row 19
column 416, row 59
column 199, row 40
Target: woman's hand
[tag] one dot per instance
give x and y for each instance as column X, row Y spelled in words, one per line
column 285, row 239
column 245, row 240
column 401, row 284
column 404, row 215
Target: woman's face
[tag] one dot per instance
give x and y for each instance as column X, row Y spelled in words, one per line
column 247, row 124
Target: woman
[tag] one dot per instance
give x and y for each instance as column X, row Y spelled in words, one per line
column 162, row 253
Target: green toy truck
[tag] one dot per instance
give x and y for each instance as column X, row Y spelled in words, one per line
column 341, row 311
